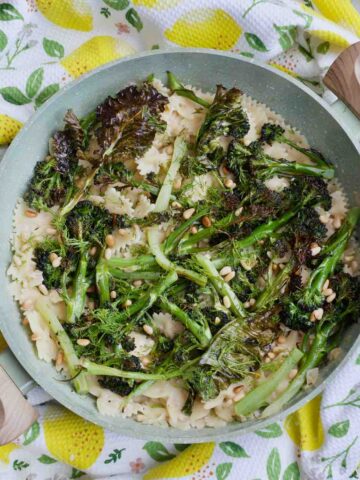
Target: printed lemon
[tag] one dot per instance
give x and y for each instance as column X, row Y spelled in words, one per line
column 342, row 12
column 206, row 28
column 9, row 127
column 95, row 52
column 188, row 462
column 331, row 37
column 304, row 427
column 5, row 452
column 157, row 4
column 72, row 439
column 3, row 344
column 74, row 14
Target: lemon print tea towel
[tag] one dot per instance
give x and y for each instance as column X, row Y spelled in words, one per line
column 45, row 44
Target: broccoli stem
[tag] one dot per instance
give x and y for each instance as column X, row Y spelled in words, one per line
column 153, row 236
column 138, row 390
column 310, row 360
column 220, row 285
column 281, row 167
column 334, row 250
column 201, row 332
column 103, row 278
column 163, row 198
column 75, row 302
column 205, row 233
column 273, row 291
column 96, row 369
column 72, row 361
column 178, row 88
column 174, row 238
column 149, row 298
column 79, row 195
column 142, row 261
column 260, row 395
column 137, row 275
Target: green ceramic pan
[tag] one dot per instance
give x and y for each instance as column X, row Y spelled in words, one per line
column 333, row 130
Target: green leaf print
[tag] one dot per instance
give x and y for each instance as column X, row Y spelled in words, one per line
column 233, row 450
column 75, row 473
column 158, row 451
column 255, row 42
column 46, row 93
column 32, row 433
column 339, row 429
column 323, row 47
column 287, row 35
column 45, row 459
column 117, row 4
column 3, row 40
column 20, row 465
column 358, row 360
column 273, row 465
column 53, row 48
column 308, row 18
column 292, row 472
column 271, row 431
column 180, row 447
column 223, row 470
column 14, row 95
column 34, row 82
column 133, row 18
column 8, row 12
column 247, row 54
column 114, row 456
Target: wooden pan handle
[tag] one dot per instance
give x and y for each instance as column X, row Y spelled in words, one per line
column 16, row 414
column 343, row 78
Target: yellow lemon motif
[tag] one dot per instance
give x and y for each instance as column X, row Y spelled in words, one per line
column 9, row 127
column 74, row 14
column 304, row 427
column 95, row 52
column 188, row 462
column 5, row 452
column 206, row 28
column 342, row 12
column 331, row 37
column 157, row 4
column 283, row 69
column 72, row 439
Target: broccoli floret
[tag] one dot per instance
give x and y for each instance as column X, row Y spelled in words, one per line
column 116, row 385
column 202, row 381
column 52, row 276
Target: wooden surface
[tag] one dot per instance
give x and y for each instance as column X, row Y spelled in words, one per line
column 16, row 414
column 343, row 78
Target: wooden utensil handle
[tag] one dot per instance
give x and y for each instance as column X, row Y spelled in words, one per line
column 343, row 78
column 16, row 414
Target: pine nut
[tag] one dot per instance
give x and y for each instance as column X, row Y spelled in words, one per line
column 25, row 321
column 348, row 258
column 122, row 232
column 281, row 339
column 225, row 271
column 331, row 298
column 176, row 205
column 318, row 313
column 267, row 360
column 323, row 218
column 53, row 256
column 145, row 361
column 108, row 254
column 354, row 265
column 292, row 373
column 271, row 355
column 110, row 240
column 275, row 267
column 59, row 358
column 188, row 213
column 206, row 222
column 337, row 223
column 328, row 292
column 113, row 294
column 238, row 389
column 315, row 250
column 148, row 329
column 169, row 149
column 229, row 276
column 30, row 214
column 43, row 289
column 252, row 301
column 93, row 251
column 238, row 212
column 217, row 320
column 51, row 231
column 193, row 230
column 34, row 337
column 137, row 283
column 312, row 317
column 56, row 263
column 83, row 342
column 326, row 284
column 177, row 183
column 229, row 183
column 127, row 303
column 226, row 301
column 28, row 304
column 247, row 304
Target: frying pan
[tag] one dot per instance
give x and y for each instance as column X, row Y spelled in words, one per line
column 333, row 130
